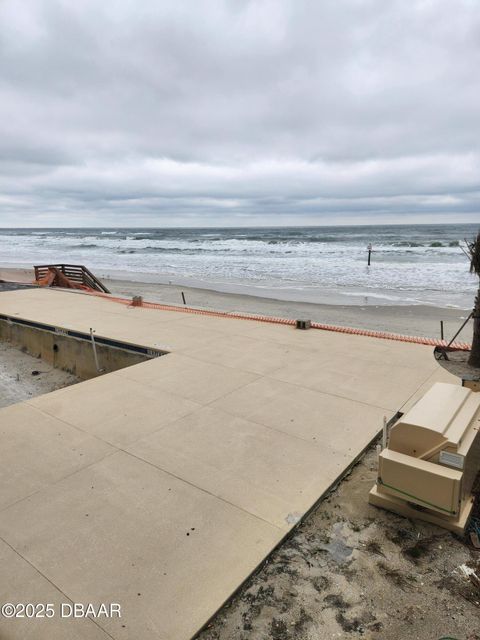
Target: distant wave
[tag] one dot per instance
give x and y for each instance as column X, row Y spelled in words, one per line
column 173, row 250
column 405, row 243
column 82, row 246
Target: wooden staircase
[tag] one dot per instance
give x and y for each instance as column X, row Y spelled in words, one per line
column 68, row 276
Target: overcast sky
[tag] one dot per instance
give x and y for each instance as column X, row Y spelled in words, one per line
column 203, row 112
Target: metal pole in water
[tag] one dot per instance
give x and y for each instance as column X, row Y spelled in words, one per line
column 369, row 249
column 183, row 298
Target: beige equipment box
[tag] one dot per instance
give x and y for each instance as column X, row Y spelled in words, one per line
column 432, row 459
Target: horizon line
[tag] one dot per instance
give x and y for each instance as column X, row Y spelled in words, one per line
column 252, row 226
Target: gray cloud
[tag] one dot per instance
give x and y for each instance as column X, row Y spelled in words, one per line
column 229, row 112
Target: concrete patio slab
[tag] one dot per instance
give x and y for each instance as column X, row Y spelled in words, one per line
column 118, row 411
column 188, row 377
column 174, row 478
column 249, row 354
column 380, row 385
column 316, row 417
column 37, row 450
column 261, row 470
column 22, row 583
column 124, row 531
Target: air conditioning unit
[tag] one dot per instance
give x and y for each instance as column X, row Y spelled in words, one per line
column 432, row 459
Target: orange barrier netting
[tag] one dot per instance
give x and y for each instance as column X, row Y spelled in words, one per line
column 384, row 335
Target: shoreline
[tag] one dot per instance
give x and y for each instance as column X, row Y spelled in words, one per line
column 413, row 320
column 296, row 292
column 340, row 296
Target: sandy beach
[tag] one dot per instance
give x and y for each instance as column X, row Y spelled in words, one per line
column 416, row 320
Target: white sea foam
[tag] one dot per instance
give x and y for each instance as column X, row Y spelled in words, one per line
column 410, row 265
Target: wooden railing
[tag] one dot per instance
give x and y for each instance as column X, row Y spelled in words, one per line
column 74, row 272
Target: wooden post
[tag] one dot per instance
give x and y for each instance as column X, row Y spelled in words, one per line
column 183, row 298
column 441, row 329
column 369, row 249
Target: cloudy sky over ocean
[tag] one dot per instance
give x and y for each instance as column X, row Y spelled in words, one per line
column 238, row 113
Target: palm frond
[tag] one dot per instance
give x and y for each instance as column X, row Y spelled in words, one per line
column 473, row 253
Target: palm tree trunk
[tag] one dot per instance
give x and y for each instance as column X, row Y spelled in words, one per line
column 474, row 359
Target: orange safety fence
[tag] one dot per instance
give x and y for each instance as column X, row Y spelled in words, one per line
column 384, row 335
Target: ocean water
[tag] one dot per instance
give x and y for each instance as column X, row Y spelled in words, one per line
column 420, row 264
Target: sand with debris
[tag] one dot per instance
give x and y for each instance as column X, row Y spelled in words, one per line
column 352, row 570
